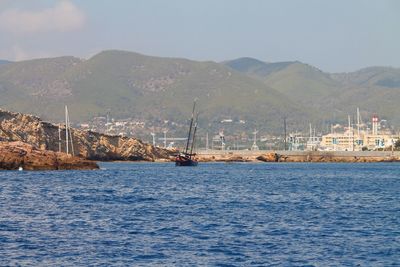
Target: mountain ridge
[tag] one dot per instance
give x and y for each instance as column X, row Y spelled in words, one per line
column 129, row 84
column 375, row 89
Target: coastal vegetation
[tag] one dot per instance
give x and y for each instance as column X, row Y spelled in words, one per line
column 397, row 145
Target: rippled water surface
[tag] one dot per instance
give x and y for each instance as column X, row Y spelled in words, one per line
column 215, row 214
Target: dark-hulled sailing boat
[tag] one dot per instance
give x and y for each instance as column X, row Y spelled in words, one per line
column 186, row 158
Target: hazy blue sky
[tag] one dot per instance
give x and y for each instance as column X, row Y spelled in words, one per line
column 336, row 35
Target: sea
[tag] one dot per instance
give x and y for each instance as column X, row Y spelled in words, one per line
column 215, row 214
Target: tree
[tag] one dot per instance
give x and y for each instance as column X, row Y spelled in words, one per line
column 397, row 145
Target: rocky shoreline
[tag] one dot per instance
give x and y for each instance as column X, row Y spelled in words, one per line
column 40, row 140
column 16, row 155
column 303, row 156
column 327, row 157
column 87, row 144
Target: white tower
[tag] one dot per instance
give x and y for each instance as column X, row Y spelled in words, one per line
column 375, row 120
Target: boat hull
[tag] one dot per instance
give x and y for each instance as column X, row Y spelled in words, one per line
column 185, row 163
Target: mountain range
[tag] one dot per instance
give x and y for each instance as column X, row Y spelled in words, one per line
column 128, row 84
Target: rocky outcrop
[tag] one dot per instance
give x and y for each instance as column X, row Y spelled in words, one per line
column 324, row 157
column 15, row 155
column 270, row 157
column 86, row 144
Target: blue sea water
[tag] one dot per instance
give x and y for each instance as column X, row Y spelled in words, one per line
column 156, row 214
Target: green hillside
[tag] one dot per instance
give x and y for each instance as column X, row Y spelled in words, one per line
column 256, row 68
column 35, row 86
column 128, row 84
column 376, row 90
column 372, row 76
column 155, row 89
column 299, row 82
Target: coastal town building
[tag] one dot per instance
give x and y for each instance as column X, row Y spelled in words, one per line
column 348, row 142
column 359, row 139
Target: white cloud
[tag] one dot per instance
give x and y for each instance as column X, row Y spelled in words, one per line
column 63, row 17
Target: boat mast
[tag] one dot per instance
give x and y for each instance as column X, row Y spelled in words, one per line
column 194, row 135
column 59, row 137
column 284, row 130
column 66, row 130
column 68, row 133
column 358, row 123
column 350, row 133
column 207, row 141
column 190, row 128
column 70, row 137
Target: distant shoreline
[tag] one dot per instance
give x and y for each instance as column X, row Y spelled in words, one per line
column 298, row 156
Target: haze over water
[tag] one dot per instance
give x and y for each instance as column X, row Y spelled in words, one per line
column 216, row 214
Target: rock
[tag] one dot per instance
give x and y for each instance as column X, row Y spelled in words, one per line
column 223, row 158
column 87, row 144
column 270, row 157
column 14, row 155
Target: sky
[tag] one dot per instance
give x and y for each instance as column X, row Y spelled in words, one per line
column 335, row 35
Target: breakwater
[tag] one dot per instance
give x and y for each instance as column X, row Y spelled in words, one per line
column 297, row 156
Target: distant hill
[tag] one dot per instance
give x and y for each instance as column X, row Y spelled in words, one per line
column 298, row 81
column 376, row 89
column 256, row 68
column 128, row 84
column 373, row 89
column 372, row 76
column 133, row 85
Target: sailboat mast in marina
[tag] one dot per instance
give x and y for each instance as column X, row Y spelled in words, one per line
column 68, row 133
